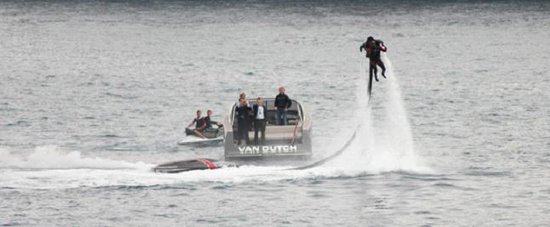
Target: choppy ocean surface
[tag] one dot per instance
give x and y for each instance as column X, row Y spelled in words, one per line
column 92, row 95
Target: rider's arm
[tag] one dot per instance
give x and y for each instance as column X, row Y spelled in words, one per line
column 383, row 47
column 193, row 121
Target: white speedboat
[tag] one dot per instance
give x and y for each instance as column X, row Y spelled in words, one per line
column 292, row 140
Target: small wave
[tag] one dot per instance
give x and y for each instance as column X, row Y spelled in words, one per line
column 19, row 123
column 221, row 186
column 427, row 177
column 318, row 195
column 445, row 185
column 109, row 136
column 120, row 96
column 489, row 173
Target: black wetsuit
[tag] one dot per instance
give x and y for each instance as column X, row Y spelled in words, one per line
column 373, row 49
column 375, row 56
column 243, row 123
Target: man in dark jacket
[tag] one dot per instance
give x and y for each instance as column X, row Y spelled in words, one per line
column 243, row 111
column 282, row 102
column 259, row 120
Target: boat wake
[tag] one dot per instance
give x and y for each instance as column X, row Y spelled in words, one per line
column 49, row 157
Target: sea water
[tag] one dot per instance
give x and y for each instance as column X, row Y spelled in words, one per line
column 93, row 95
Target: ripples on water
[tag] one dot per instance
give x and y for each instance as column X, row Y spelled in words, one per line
column 94, row 94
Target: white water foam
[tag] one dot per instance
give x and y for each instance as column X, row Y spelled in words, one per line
column 48, row 167
column 388, row 147
column 49, row 157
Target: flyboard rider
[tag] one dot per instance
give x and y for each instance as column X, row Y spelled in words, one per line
column 372, row 48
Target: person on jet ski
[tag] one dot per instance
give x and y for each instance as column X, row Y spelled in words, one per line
column 200, row 125
column 209, row 131
column 209, row 122
column 372, row 48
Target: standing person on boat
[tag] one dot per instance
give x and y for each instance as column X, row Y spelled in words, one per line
column 372, row 48
column 241, row 96
column 282, row 102
column 243, row 111
column 259, row 110
column 200, row 125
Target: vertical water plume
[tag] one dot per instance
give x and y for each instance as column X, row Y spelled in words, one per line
column 387, row 145
column 398, row 146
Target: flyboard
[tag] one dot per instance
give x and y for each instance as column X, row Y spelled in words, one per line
column 190, row 165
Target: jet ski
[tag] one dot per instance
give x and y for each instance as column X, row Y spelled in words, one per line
column 190, row 165
column 213, row 137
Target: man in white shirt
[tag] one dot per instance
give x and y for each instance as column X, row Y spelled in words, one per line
column 259, row 110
